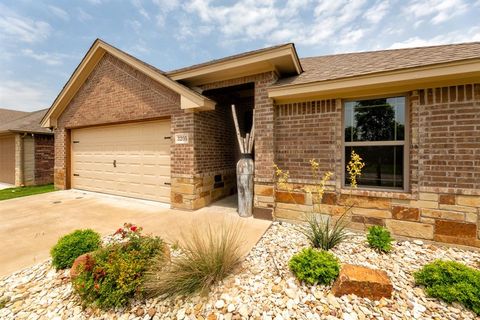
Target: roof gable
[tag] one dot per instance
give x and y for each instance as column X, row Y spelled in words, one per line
column 27, row 122
column 189, row 99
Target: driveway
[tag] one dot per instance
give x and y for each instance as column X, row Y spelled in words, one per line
column 31, row 225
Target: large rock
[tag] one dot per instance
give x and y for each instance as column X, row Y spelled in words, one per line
column 83, row 262
column 363, row 282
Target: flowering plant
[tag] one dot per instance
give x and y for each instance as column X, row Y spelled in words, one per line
column 129, row 231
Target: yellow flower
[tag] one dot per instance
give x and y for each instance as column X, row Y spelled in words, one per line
column 354, row 168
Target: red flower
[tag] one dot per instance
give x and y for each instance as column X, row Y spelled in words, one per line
column 120, row 230
column 133, row 228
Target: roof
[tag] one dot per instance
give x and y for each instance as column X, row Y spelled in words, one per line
column 28, row 122
column 338, row 66
column 188, row 97
column 7, row 115
column 228, row 58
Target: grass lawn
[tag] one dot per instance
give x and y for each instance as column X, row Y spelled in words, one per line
column 16, row 192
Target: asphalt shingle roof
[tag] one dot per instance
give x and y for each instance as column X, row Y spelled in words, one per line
column 28, row 122
column 331, row 67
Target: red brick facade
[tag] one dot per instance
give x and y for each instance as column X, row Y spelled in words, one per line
column 44, row 159
column 443, row 198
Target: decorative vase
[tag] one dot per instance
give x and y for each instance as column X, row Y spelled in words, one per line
column 245, row 170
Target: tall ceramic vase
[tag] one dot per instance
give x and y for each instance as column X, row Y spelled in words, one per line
column 245, row 170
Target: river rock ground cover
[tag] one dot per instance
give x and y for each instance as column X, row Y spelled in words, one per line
column 262, row 288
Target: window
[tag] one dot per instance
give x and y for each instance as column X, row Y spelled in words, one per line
column 375, row 129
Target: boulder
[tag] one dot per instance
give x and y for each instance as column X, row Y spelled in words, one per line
column 363, row 282
column 83, row 262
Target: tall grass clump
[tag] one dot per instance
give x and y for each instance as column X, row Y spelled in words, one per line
column 323, row 229
column 207, row 255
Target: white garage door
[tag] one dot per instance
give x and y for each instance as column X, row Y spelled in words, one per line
column 129, row 160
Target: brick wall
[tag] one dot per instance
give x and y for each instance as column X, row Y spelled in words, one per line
column 115, row 93
column 264, row 136
column 44, row 159
column 449, row 136
column 443, row 200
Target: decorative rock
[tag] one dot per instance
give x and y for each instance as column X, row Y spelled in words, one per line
column 219, row 304
column 230, row 308
column 139, row 312
column 152, row 312
column 363, row 282
column 83, row 262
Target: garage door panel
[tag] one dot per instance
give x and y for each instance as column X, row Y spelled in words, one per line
column 141, row 154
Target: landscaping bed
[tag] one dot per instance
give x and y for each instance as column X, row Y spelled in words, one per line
column 261, row 288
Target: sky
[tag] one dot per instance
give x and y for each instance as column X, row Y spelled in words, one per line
column 42, row 42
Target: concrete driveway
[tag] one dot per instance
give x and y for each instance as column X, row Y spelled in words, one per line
column 31, row 225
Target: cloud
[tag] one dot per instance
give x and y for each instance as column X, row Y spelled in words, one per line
column 24, row 96
column 141, row 10
column 83, row 16
column 19, row 28
column 437, row 11
column 165, row 7
column 376, row 13
column 59, row 12
column 51, row 59
column 472, row 34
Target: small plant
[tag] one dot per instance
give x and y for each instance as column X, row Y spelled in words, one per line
column 119, row 268
column 73, row 245
column 314, row 266
column 207, row 256
column 379, row 238
column 452, row 282
column 324, row 234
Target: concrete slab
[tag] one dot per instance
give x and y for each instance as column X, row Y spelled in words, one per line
column 32, row 225
column 5, row 185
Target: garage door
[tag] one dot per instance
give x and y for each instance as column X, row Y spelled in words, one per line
column 7, row 159
column 128, row 160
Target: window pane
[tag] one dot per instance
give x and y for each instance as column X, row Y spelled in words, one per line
column 383, row 166
column 375, row 120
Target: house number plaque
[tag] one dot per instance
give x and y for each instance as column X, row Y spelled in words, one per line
column 181, row 138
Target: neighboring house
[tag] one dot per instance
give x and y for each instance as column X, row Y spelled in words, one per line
column 26, row 149
column 124, row 127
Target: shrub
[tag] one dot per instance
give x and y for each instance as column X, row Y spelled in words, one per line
column 73, row 245
column 451, row 281
column 323, row 232
column 207, row 256
column 119, row 269
column 314, row 266
column 379, row 239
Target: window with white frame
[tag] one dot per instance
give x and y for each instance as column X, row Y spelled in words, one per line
column 375, row 129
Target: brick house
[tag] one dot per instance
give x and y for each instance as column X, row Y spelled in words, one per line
column 124, row 127
column 26, row 149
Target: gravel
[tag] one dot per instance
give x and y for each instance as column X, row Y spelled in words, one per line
column 262, row 288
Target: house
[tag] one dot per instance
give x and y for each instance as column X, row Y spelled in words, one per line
column 26, row 149
column 124, row 127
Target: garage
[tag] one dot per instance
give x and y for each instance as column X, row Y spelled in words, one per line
column 130, row 160
column 7, row 159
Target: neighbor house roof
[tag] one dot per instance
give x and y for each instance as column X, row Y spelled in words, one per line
column 188, row 98
column 27, row 122
column 7, row 115
column 340, row 66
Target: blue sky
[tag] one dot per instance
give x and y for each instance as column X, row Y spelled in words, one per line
column 41, row 42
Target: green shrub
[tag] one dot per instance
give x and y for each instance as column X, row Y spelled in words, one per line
column 208, row 255
column 73, row 245
column 314, row 266
column 379, row 238
column 452, row 282
column 325, row 232
column 118, row 271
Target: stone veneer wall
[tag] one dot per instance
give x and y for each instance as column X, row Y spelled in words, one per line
column 443, row 200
